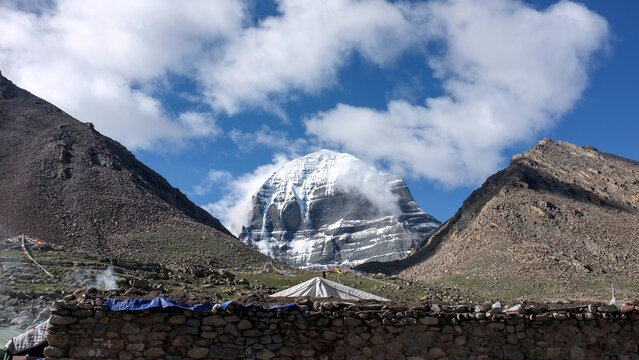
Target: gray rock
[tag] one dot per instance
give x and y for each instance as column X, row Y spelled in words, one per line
column 436, row 352
column 512, row 352
column 198, row 352
column 53, row 352
column 244, row 324
column 182, row 341
column 607, row 309
column 130, row 328
column 231, row 329
column 577, row 353
column 265, row 354
column 134, row 347
column 154, row 353
column 433, row 321
column 62, row 320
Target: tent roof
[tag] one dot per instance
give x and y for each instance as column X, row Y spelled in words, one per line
column 320, row 287
column 30, row 339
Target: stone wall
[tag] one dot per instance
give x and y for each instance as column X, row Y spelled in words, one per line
column 81, row 328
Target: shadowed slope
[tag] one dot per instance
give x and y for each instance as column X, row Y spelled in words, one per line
column 63, row 181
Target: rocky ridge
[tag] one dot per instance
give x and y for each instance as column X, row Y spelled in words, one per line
column 330, row 208
column 64, row 182
column 560, row 221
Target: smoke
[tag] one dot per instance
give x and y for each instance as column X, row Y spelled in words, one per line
column 106, row 280
column 86, row 278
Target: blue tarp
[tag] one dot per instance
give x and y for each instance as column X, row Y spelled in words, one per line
column 163, row 303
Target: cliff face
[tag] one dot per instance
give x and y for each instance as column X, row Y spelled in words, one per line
column 329, row 208
column 64, row 182
column 561, row 220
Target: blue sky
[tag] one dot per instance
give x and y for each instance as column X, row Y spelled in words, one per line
column 215, row 95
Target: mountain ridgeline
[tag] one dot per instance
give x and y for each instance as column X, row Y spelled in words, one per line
column 64, row 182
column 560, row 221
column 329, row 209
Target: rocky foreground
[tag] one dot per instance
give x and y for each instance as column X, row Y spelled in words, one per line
column 82, row 327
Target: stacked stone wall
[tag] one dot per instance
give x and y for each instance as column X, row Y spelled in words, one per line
column 81, row 328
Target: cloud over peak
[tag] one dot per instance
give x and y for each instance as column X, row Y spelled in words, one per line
column 508, row 71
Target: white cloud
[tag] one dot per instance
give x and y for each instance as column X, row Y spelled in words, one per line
column 302, row 50
column 99, row 60
column 508, row 72
column 359, row 177
column 234, row 208
column 269, row 138
column 214, row 177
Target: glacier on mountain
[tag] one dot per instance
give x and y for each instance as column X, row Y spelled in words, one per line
column 329, row 209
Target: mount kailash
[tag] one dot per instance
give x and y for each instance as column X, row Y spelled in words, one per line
column 330, row 208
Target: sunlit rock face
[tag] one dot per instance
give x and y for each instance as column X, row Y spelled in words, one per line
column 330, row 208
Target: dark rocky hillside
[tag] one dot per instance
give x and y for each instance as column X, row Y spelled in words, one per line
column 64, row 182
column 560, row 221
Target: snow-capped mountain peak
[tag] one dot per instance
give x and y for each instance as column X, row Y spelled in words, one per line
column 330, row 208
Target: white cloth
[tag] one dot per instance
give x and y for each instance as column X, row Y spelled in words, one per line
column 29, row 340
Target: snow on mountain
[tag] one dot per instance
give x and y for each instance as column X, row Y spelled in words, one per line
column 330, row 208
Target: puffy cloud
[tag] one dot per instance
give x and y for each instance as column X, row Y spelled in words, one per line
column 234, row 208
column 102, row 61
column 302, row 50
column 508, row 71
column 358, row 177
column 269, row 138
column 214, row 177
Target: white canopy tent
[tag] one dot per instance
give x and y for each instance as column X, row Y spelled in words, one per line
column 320, row 287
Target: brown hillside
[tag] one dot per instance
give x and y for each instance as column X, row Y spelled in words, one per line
column 64, row 182
column 562, row 221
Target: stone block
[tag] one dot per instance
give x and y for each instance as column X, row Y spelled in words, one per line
column 135, row 347
column 182, row 341
column 232, row 330
column 197, row 352
column 154, row 353
column 177, row 319
column 209, row 334
column 244, row 324
column 125, row 355
column 264, row 354
column 59, row 341
column 512, row 352
column 428, row 320
column 436, row 352
column 54, row 352
column 130, row 328
column 62, row 320
column 214, row 320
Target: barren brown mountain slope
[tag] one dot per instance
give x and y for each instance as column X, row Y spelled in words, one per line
column 64, row 182
column 562, row 221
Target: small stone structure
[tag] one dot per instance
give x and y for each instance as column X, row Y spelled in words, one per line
column 81, row 328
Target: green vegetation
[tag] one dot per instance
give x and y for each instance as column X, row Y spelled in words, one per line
column 24, row 277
